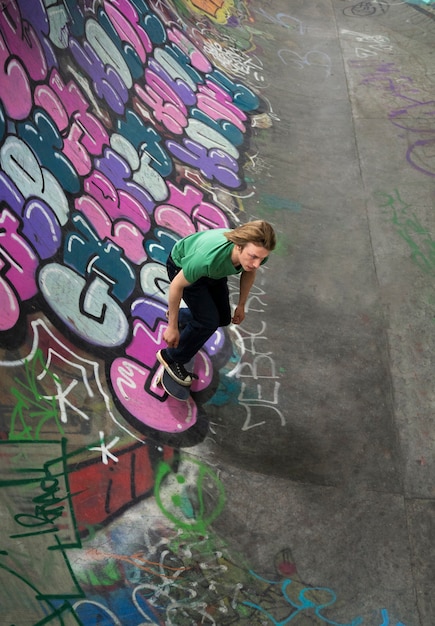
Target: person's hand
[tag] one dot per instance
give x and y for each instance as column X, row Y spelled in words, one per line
column 172, row 337
column 239, row 315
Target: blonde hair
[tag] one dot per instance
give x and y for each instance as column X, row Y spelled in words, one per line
column 258, row 232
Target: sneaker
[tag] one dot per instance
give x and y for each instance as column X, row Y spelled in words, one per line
column 177, row 371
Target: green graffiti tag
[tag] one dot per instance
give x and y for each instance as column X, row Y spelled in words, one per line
column 32, row 409
column 48, row 508
column 188, row 511
column 408, row 226
column 38, row 528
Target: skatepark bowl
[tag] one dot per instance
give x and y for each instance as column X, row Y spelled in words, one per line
column 297, row 483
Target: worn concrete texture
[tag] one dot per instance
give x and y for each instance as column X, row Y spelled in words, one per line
column 305, row 491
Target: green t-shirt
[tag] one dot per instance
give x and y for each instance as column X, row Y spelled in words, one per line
column 207, row 253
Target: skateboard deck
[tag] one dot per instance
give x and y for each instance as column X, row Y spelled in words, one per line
column 172, row 388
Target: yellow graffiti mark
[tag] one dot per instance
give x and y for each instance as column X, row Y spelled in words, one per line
column 218, row 10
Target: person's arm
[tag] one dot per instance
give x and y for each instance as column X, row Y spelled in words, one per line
column 246, row 281
column 176, row 288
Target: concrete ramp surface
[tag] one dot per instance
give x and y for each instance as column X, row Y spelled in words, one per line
column 297, row 484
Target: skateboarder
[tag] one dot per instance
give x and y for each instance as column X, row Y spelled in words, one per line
column 198, row 267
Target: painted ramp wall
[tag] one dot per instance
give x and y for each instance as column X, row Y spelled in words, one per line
column 277, row 493
column 118, row 136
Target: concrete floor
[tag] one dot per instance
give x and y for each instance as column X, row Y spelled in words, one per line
column 307, row 485
column 341, row 470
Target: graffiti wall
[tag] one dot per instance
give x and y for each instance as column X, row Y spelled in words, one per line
column 121, row 132
column 118, row 136
column 111, row 152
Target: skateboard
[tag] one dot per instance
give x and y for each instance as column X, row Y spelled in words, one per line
column 172, row 388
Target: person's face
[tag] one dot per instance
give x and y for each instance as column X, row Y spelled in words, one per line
column 251, row 256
